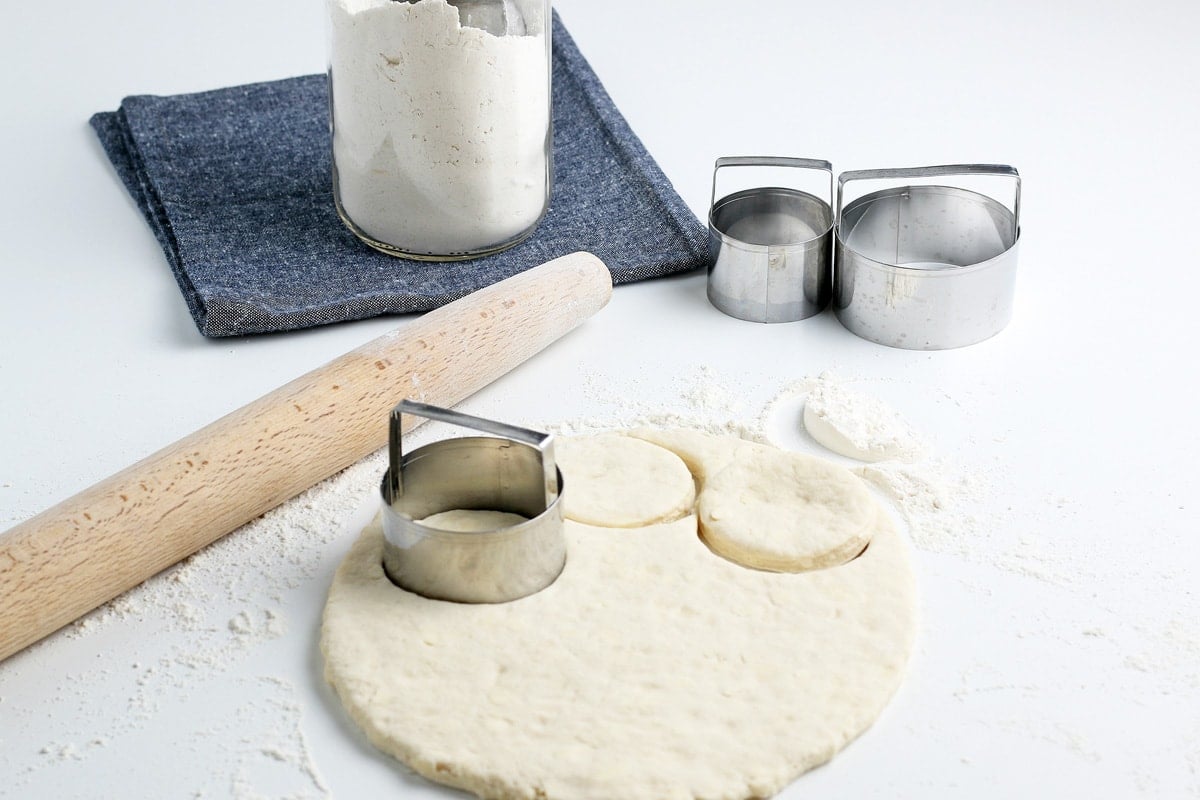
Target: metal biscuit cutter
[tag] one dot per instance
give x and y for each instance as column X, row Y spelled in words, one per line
column 770, row 247
column 926, row 267
column 512, row 470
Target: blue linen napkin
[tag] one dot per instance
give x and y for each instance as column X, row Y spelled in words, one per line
column 236, row 185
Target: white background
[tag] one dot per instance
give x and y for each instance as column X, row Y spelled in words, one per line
column 1059, row 652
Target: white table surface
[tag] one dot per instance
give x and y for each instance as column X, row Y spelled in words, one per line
column 1059, row 651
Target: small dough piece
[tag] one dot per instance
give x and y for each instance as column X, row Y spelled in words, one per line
column 615, row 481
column 785, row 512
column 857, row 425
column 472, row 521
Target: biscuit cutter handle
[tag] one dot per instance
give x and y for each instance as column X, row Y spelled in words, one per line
column 107, row 539
column 542, row 442
column 789, row 162
column 939, row 171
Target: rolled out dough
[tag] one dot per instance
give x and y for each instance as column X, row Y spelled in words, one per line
column 652, row 668
column 471, row 521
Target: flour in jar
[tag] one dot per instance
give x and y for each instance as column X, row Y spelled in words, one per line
column 440, row 131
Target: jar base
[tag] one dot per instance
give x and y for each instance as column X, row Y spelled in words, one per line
column 400, row 252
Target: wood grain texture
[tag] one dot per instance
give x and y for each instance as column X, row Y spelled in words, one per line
column 88, row 549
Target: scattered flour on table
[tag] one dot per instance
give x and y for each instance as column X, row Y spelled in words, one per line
column 704, row 402
column 284, row 747
column 936, row 499
column 183, row 614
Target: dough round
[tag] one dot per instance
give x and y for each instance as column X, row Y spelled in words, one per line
column 473, row 521
column 857, row 425
column 705, row 454
column 652, row 668
column 785, row 512
column 616, row 481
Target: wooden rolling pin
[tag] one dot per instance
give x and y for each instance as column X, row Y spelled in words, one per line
column 88, row 549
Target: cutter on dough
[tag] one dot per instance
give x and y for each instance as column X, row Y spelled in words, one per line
column 512, row 470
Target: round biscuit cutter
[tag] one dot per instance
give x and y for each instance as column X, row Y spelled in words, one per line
column 513, row 470
column 770, row 247
column 926, row 267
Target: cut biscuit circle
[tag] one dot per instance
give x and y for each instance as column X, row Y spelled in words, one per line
column 705, row 454
column 785, row 512
column 616, row 481
column 472, row 521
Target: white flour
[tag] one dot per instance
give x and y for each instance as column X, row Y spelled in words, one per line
column 440, row 131
column 190, row 641
column 937, row 500
column 706, row 404
column 858, row 425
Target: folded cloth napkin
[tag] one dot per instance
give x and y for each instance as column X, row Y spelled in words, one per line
column 236, row 185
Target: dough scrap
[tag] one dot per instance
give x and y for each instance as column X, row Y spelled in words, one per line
column 615, row 481
column 857, row 425
column 651, row 668
column 785, row 512
column 473, row 521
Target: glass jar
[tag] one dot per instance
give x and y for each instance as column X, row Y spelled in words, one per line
column 440, row 119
